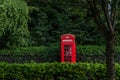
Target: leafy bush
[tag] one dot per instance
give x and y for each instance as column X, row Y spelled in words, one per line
column 13, row 23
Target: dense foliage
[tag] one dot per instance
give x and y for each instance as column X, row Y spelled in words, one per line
column 50, row 19
column 13, row 23
column 54, row 71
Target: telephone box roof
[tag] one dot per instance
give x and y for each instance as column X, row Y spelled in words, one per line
column 67, row 36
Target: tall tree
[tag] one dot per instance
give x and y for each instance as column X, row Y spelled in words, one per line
column 13, row 23
column 104, row 13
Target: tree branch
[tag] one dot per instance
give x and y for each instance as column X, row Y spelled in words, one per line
column 114, row 11
column 107, row 16
column 96, row 14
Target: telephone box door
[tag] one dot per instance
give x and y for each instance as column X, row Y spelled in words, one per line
column 67, row 53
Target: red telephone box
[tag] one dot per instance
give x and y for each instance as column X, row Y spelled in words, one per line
column 68, row 48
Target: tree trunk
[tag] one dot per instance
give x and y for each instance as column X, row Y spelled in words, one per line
column 110, row 63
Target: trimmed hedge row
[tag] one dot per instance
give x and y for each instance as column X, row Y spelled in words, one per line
column 52, row 54
column 85, row 50
column 54, row 71
column 28, row 54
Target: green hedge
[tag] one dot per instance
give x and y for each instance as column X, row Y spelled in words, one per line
column 91, row 50
column 85, row 50
column 52, row 54
column 54, row 71
column 28, row 54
